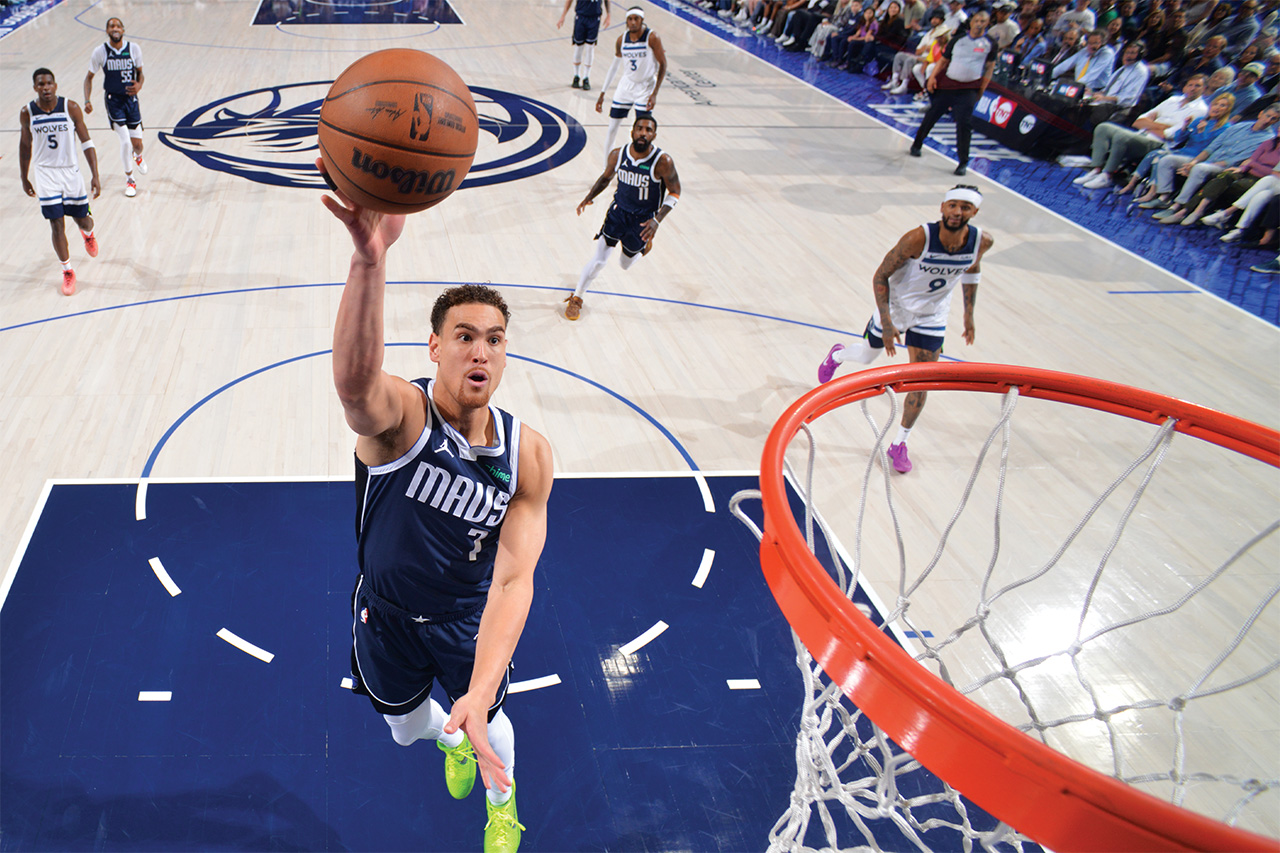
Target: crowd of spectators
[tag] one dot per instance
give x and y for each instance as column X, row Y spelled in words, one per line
column 1194, row 85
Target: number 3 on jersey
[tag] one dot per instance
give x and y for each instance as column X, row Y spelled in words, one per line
column 479, row 536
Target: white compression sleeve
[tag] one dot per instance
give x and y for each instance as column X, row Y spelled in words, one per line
column 593, row 267
column 426, row 722
column 502, row 737
column 126, row 148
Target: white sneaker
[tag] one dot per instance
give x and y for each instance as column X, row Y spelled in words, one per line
column 130, row 188
column 900, row 89
column 142, row 166
column 790, row 40
column 1099, row 181
column 893, row 81
column 1087, row 176
column 725, row 13
column 741, row 16
column 780, row 39
column 1217, row 220
column 1232, row 235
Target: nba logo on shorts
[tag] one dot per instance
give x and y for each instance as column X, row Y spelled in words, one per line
column 364, row 615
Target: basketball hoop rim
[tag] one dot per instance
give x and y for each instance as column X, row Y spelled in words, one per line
column 1053, row 799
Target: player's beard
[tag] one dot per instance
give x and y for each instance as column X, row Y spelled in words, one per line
column 946, row 223
column 641, row 145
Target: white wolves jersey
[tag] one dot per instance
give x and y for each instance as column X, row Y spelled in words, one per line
column 118, row 67
column 54, row 142
column 639, row 190
column 638, row 64
column 427, row 524
column 924, row 285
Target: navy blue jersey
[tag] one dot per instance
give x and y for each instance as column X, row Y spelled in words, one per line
column 427, row 524
column 118, row 67
column 639, row 190
column 587, row 9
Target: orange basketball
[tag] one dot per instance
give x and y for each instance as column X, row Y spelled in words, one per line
column 398, row 131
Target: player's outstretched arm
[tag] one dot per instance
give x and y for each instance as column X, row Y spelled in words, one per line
column 24, row 151
column 969, row 286
column 374, row 402
column 911, row 245
column 90, row 154
column 660, row 56
column 524, row 532
column 606, row 177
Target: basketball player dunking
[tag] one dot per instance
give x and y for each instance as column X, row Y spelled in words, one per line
column 51, row 127
column 648, row 189
column 913, row 288
column 643, row 62
column 120, row 62
column 451, row 518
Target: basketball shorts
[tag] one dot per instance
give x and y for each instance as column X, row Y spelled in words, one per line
column 585, row 30
column 124, row 109
column 623, row 227
column 923, row 331
column 397, row 656
column 631, row 94
column 61, row 192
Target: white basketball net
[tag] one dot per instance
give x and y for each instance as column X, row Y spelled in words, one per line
column 856, row 782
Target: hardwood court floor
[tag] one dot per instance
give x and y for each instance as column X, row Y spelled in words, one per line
column 196, row 346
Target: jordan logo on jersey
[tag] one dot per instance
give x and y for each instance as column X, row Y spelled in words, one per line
column 459, row 496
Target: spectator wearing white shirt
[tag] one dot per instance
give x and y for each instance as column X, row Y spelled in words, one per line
column 1114, row 145
column 1091, row 66
column 1129, row 81
column 956, row 16
column 1005, row 29
column 1080, row 15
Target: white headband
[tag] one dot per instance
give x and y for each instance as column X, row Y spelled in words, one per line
column 635, row 10
column 960, row 194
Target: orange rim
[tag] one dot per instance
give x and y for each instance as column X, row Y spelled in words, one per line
column 1053, row 799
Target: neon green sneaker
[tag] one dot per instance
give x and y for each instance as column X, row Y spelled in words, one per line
column 459, row 768
column 502, row 832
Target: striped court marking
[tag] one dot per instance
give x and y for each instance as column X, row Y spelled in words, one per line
column 644, row 639
column 140, row 502
column 705, row 569
column 707, row 502
column 742, row 683
column 348, row 684
column 246, row 646
column 533, row 684
column 158, row 568
column 155, row 695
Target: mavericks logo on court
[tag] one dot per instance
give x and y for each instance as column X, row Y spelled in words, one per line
column 269, row 136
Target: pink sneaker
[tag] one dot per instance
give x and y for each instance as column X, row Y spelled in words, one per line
column 827, row 369
column 90, row 245
column 898, row 454
column 68, row 282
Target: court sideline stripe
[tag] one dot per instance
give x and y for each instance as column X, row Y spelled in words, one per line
column 644, row 639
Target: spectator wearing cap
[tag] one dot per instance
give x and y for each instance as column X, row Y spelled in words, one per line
column 1092, row 66
column 1005, row 29
column 904, row 61
column 1129, row 81
column 956, row 16
column 1246, row 88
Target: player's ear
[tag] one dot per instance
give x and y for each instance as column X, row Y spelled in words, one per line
column 433, row 347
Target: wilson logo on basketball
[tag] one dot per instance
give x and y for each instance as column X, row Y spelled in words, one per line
column 407, row 181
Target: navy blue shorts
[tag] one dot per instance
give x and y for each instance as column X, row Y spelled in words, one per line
column 59, row 209
column 585, row 30
column 912, row 338
column 124, row 109
column 623, row 112
column 622, row 227
column 397, row 656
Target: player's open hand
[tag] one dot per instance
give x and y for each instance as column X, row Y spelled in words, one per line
column 969, row 332
column 649, row 229
column 471, row 714
column 371, row 232
column 600, row 103
column 581, row 206
column 95, row 186
column 891, row 337
column 27, row 188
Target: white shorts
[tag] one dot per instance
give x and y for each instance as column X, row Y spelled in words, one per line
column 633, row 94
column 61, row 191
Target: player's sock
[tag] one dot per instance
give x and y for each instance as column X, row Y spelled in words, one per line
column 66, row 265
column 426, row 722
column 502, row 738
column 610, row 135
column 903, row 432
column 126, row 148
column 857, row 350
column 593, row 267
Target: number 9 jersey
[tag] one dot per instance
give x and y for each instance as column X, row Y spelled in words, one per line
column 427, row 524
column 922, row 287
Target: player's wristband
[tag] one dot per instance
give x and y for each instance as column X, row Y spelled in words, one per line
column 86, row 145
column 970, row 278
column 671, row 200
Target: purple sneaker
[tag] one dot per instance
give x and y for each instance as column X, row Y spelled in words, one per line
column 898, row 454
column 828, row 367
